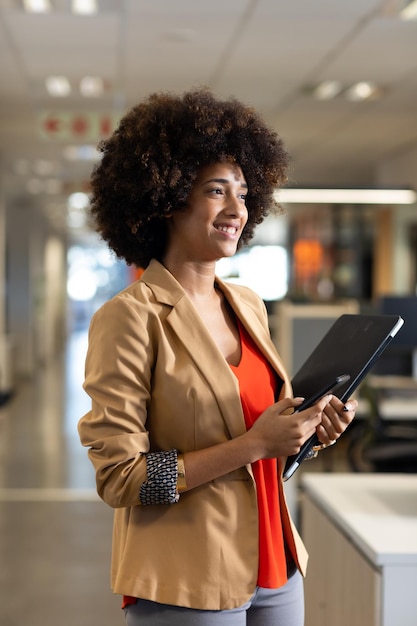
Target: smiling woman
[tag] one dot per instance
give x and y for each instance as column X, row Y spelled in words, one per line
column 210, row 225
column 191, row 405
column 152, row 160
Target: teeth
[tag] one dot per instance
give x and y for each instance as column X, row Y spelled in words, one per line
column 227, row 229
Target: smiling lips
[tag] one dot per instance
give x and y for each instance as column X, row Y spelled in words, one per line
column 230, row 230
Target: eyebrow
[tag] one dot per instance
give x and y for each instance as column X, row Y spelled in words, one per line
column 223, row 181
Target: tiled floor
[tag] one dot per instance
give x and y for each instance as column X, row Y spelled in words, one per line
column 55, row 534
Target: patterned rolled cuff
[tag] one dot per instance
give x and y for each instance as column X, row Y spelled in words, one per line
column 162, row 473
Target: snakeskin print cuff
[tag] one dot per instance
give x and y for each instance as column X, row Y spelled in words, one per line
column 162, row 473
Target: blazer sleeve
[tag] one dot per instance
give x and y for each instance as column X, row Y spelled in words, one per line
column 118, row 379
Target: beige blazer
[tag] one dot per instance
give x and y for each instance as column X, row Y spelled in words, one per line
column 158, row 381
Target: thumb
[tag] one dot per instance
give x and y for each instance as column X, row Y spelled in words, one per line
column 286, row 404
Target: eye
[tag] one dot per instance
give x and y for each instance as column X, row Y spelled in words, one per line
column 216, row 190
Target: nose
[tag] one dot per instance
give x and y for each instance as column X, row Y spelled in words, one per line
column 235, row 206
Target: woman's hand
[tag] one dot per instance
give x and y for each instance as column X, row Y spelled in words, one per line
column 280, row 432
column 336, row 417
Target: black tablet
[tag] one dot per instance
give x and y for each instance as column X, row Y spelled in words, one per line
column 350, row 348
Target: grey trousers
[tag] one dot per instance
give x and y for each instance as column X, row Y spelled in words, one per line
column 267, row 607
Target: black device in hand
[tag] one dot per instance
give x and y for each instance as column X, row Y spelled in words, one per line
column 333, row 384
column 353, row 344
column 294, row 461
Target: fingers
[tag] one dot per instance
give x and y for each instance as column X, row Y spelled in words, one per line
column 329, row 418
column 350, row 406
column 282, row 406
column 324, row 402
column 336, row 418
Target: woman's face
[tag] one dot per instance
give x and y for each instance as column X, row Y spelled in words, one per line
column 210, row 226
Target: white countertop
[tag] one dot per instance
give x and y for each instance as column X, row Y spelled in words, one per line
column 378, row 512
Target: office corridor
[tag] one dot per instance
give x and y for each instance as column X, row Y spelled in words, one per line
column 55, row 533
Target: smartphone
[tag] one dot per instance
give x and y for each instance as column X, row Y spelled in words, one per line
column 338, row 381
column 294, row 461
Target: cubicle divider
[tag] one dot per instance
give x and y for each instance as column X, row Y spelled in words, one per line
column 298, row 328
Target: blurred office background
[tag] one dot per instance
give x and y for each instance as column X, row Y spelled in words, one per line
column 338, row 80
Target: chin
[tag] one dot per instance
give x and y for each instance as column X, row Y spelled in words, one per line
column 230, row 250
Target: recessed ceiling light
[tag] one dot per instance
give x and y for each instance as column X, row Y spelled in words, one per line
column 362, row 91
column 37, row 6
column 84, row 7
column 409, row 12
column 58, row 86
column 91, row 86
column 327, row 90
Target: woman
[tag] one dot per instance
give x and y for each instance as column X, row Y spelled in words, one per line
column 192, row 410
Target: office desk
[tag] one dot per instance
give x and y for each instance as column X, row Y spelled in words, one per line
column 361, row 533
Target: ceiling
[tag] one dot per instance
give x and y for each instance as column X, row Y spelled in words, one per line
column 266, row 52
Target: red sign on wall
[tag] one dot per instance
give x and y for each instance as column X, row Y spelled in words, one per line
column 69, row 126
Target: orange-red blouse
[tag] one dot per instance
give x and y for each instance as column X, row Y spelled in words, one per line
column 258, row 383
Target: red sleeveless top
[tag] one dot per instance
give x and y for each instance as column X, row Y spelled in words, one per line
column 258, row 383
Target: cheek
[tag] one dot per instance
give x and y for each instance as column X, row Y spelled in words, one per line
column 246, row 217
column 245, row 228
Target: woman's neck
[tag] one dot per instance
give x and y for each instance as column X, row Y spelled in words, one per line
column 197, row 279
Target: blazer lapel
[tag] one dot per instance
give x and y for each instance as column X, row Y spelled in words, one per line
column 257, row 330
column 196, row 339
column 191, row 331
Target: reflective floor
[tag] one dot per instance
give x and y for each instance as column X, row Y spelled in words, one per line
column 55, row 533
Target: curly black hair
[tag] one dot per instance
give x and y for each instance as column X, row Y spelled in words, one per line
column 152, row 159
